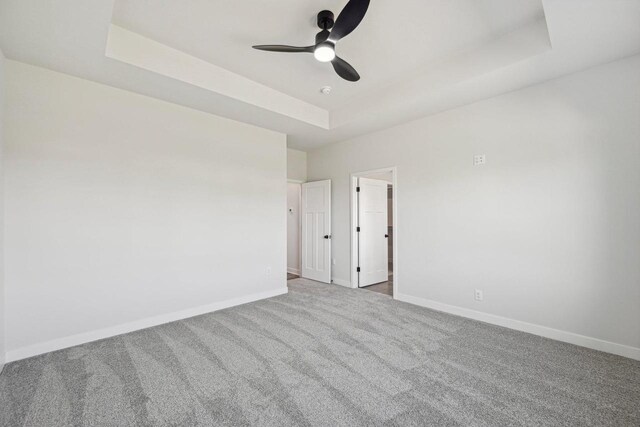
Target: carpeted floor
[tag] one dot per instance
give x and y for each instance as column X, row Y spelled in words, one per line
column 322, row 355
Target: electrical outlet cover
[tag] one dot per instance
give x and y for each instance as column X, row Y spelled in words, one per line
column 479, row 159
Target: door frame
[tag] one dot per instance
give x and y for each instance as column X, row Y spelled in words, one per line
column 299, row 182
column 354, row 221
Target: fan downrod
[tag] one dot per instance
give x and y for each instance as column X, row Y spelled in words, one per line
column 325, row 20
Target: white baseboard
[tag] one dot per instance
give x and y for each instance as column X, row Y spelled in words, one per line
column 543, row 331
column 341, row 282
column 83, row 338
column 293, row 271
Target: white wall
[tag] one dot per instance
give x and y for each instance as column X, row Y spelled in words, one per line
column 549, row 228
column 123, row 211
column 293, row 228
column 296, row 165
column 2, row 303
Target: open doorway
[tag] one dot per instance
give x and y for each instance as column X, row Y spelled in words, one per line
column 293, row 230
column 309, row 230
column 374, row 221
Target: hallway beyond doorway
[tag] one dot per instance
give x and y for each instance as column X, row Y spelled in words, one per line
column 385, row 288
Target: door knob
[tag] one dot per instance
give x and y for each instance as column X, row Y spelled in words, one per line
column 327, row 236
column 386, row 236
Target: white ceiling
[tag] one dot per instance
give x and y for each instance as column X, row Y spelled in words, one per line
column 416, row 57
column 394, row 41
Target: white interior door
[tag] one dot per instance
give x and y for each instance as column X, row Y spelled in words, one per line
column 316, row 231
column 373, row 251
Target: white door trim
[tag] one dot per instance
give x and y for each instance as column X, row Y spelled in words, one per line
column 298, row 270
column 354, row 221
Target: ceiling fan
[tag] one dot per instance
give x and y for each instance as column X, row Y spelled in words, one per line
column 325, row 48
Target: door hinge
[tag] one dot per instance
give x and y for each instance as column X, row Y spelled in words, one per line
column 357, row 229
column 358, row 269
column 357, row 189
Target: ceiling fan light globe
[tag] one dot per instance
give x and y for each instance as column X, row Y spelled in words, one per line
column 324, row 52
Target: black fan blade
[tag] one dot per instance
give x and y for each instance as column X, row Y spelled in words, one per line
column 345, row 70
column 349, row 19
column 283, row 48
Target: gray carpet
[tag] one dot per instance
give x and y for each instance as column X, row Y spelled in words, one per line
column 322, row 355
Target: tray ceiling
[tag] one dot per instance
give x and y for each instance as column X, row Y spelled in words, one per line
column 416, row 57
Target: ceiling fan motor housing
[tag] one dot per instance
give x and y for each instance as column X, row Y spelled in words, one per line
column 324, row 49
column 322, row 36
column 325, row 20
